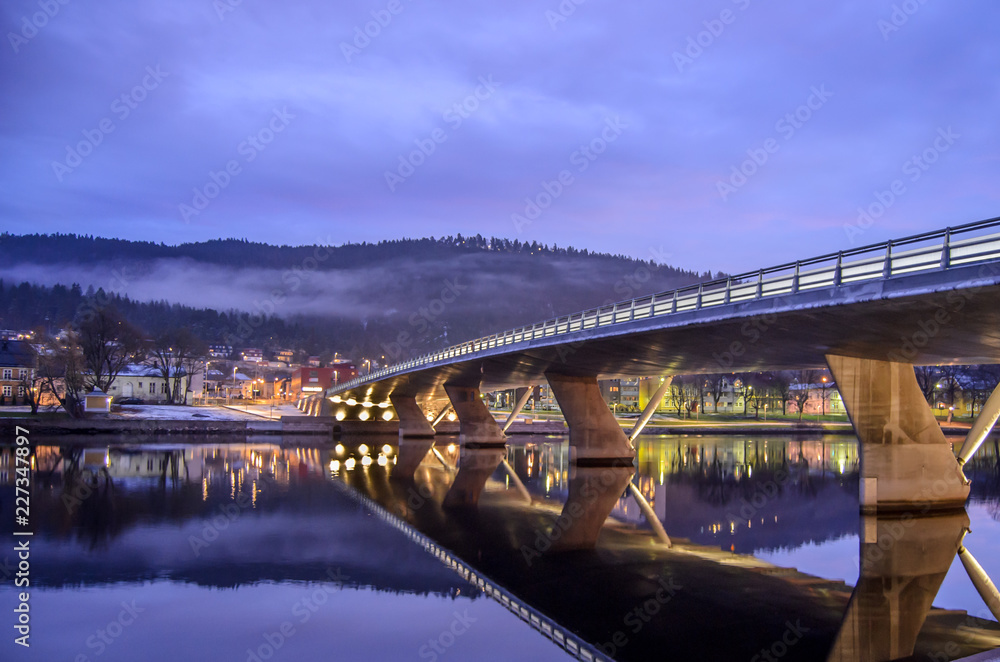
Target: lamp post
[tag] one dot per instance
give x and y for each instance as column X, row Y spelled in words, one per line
column 823, row 397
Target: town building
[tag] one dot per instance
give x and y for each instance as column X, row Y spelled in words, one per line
column 18, row 362
column 309, row 380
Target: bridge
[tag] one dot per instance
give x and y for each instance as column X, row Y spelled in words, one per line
column 868, row 314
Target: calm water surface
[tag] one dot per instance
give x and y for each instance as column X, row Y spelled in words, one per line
column 259, row 551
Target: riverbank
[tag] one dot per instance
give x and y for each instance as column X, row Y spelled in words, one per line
column 255, row 420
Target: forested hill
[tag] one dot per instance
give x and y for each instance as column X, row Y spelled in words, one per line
column 435, row 291
column 85, row 249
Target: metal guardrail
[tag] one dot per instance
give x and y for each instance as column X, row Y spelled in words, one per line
column 932, row 251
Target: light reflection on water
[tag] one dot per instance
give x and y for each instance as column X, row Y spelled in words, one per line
column 223, row 552
column 223, row 542
column 790, row 501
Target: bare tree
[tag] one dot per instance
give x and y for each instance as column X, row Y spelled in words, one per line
column 781, row 384
column 805, row 379
column 744, row 386
column 177, row 355
column 716, row 382
column 108, row 343
column 60, row 369
column 927, row 379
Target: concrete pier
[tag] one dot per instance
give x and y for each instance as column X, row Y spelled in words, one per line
column 477, row 427
column 906, row 462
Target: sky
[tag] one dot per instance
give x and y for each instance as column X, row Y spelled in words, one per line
column 723, row 135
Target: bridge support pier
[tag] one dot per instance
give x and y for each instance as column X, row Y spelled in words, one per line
column 906, row 462
column 481, row 445
column 477, row 427
column 416, row 436
column 903, row 562
column 600, row 461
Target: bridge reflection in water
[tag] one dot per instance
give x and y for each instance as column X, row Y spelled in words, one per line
column 636, row 599
column 630, row 598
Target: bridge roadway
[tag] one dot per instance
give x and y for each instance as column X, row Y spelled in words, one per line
column 869, row 314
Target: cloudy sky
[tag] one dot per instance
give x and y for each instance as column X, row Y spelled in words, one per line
column 734, row 134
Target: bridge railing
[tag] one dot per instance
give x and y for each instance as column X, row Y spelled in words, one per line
column 927, row 252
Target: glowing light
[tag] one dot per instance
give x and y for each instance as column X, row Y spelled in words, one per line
column 452, row 416
column 387, row 416
column 352, row 401
column 387, row 449
column 364, row 415
column 334, row 465
column 349, row 464
column 429, row 417
column 366, row 461
column 363, row 449
column 382, row 460
column 341, row 415
column 451, row 448
column 335, row 398
column 339, row 449
column 383, row 405
column 367, row 403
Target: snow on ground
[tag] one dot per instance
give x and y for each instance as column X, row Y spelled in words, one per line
column 181, row 413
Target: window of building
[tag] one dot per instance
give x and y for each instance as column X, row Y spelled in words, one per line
column 6, row 373
column 20, row 391
column 163, row 387
column 6, row 390
column 152, row 387
column 24, row 373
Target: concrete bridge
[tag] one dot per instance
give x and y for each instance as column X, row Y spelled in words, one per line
column 869, row 314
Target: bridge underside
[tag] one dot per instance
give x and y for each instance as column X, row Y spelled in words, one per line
column 871, row 320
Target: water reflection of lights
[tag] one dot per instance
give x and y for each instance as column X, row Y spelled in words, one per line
column 451, row 448
column 363, row 449
column 334, row 465
column 387, row 449
column 382, row 460
column 339, row 448
column 366, row 461
column 341, row 415
column 387, row 416
column 364, row 415
column 452, row 416
column 349, row 464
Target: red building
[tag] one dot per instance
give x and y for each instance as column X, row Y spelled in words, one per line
column 310, row 380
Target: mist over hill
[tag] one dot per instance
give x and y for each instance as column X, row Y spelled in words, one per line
column 435, row 291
